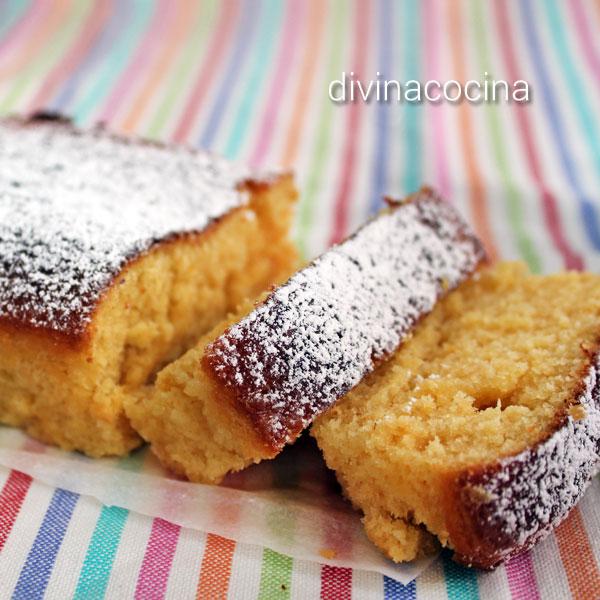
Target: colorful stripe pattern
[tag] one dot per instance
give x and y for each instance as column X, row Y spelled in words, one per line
column 100, row 554
column 249, row 80
column 36, row 571
column 12, row 496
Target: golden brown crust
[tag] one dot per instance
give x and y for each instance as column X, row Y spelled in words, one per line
column 228, row 395
column 76, row 339
column 486, row 428
column 316, row 336
column 31, row 310
column 68, row 387
column 500, row 510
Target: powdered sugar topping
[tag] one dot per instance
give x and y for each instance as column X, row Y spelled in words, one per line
column 529, row 494
column 75, row 207
column 318, row 335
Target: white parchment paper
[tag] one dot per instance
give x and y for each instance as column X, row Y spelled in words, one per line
column 291, row 505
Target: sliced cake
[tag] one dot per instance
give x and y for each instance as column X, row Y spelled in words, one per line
column 257, row 380
column 116, row 255
column 483, row 429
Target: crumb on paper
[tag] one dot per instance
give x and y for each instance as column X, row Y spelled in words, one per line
column 328, row 553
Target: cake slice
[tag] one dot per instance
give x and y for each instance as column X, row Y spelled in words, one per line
column 482, row 429
column 116, row 255
column 256, row 381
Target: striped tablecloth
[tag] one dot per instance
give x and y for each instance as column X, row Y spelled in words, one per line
column 250, row 81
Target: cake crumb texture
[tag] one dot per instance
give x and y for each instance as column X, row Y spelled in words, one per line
column 191, row 424
column 484, row 426
column 239, row 396
column 76, row 206
column 316, row 336
column 116, row 256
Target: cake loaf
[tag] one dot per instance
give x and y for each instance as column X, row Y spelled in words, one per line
column 257, row 380
column 483, row 429
column 116, row 255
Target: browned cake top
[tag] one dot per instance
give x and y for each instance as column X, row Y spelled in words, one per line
column 521, row 498
column 76, row 206
column 316, row 336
